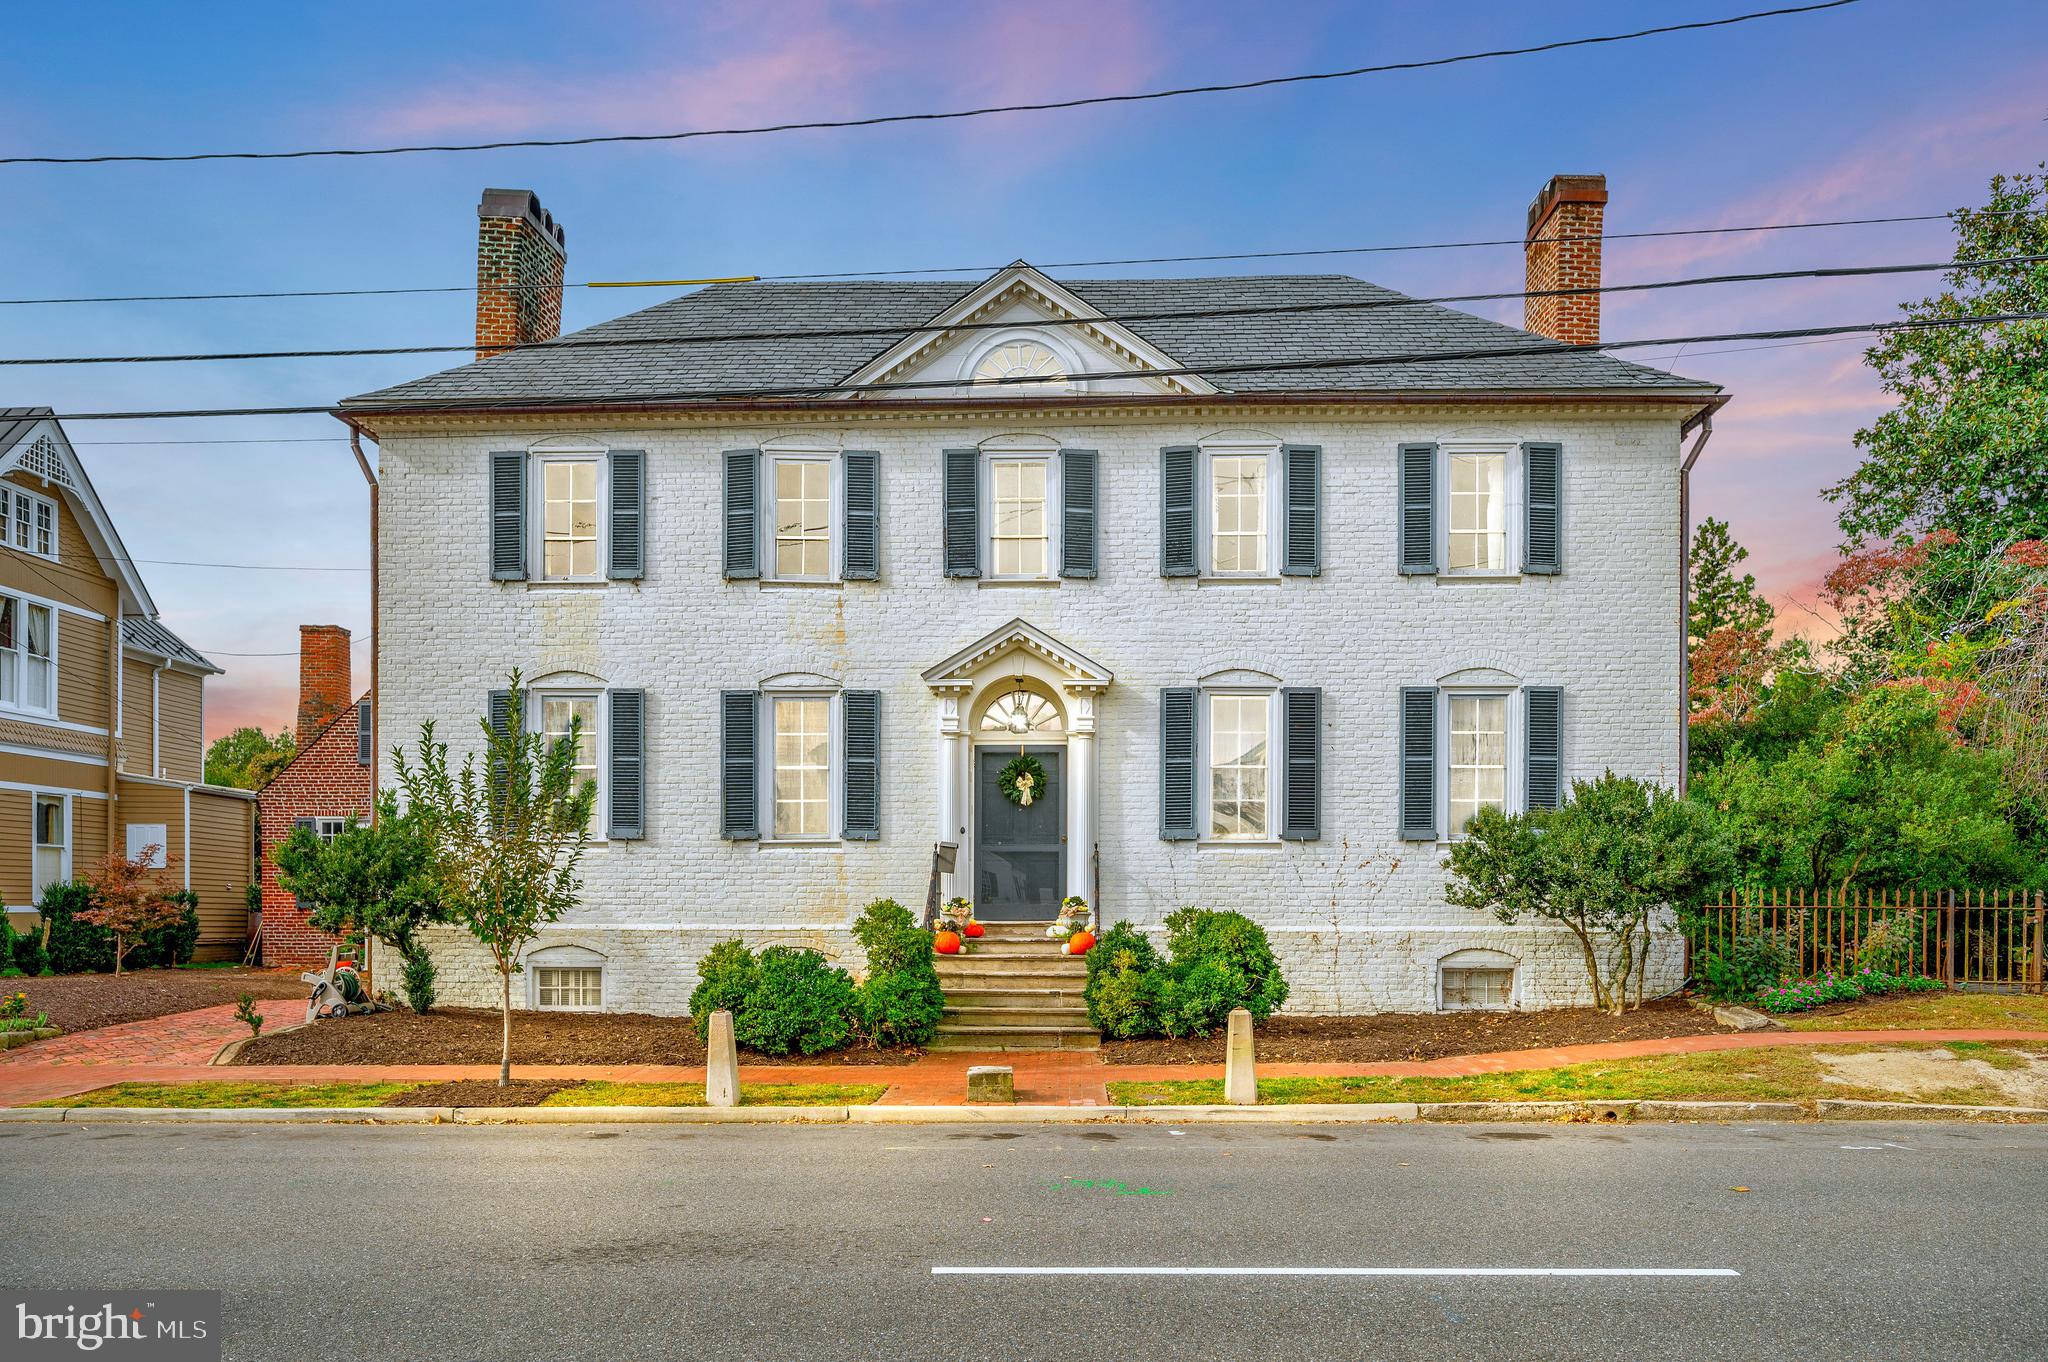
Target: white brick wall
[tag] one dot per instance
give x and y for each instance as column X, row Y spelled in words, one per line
column 1368, row 938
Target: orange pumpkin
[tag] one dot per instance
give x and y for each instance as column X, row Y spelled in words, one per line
column 947, row 943
column 1080, row 942
column 972, row 929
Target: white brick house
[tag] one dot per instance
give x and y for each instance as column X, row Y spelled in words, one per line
column 1273, row 632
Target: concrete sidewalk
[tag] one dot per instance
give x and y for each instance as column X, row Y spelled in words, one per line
column 1048, row 1078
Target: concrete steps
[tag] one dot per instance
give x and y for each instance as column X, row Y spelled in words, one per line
column 1013, row 989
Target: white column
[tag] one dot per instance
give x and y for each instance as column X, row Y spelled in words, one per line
column 1081, row 784
column 952, row 762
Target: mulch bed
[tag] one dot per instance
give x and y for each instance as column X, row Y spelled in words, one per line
column 483, row 1092
column 80, row 1002
column 469, row 1035
column 1423, row 1035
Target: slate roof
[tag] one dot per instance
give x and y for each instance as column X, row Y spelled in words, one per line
column 559, row 374
column 149, row 635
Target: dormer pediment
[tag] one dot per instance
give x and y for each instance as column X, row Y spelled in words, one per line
column 1023, row 334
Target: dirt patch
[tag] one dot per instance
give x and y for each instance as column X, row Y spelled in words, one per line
column 80, row 1002
column 1933, row 1073
column 467, row 1035
column 482, row 1092
column 1424, row 1035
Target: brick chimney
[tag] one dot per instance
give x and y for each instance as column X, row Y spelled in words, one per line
column 324, row 689
column 520, row 252
column 1562, row 248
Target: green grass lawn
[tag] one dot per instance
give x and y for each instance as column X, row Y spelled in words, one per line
column 2007, row 1011
column 1759, row 1075
column 234, row 1095
column 601, row 1094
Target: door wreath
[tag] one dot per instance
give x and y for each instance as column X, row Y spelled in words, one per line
column 1022, row 781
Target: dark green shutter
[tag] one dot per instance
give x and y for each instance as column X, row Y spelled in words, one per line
column 1079, row 477
column 1418, row 763
column 960, row 492
column 1177, row 763
column 739, row 743
column 1545, row 747
column 629, row 515
column 1418, row 508
column 742, row 513
column 1301, row 771
column 498, row 710
column 508, row 516
column 1301, row 477
column 1177, row 556
column 626, row 769
column 1542, row 473
column 861, row 560
column 366, row 748
column 861, row 797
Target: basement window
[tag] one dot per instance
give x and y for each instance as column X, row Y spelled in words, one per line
column 568, row 988
column 1476, row 981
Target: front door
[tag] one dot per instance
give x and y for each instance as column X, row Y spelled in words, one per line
column 1020, row 852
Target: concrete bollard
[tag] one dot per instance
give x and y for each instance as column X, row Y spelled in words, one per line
column 991, row 1083
column 1240, row 1078
column 721, row 1064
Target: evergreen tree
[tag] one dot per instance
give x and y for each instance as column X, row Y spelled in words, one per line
column 1720, row 599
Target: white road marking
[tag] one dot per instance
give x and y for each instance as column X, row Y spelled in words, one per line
column 1090, row 1271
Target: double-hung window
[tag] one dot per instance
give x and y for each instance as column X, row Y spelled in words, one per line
column 1239, row 518
column 800, row 768
column 28, row 656
column 563, row 712
column 1020, row 517
column 51, row 816
column 1240, row 758
column 1477, row 766
column 1478, row 512
column 569, row 488
column 28, row 522
column 802, row 507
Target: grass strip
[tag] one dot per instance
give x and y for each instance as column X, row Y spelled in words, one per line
column 1931, row 1011
column 271, row 1094
column 602, row 1094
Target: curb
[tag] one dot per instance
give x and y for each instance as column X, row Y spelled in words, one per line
column 14, row 1040
column 1341, row 1113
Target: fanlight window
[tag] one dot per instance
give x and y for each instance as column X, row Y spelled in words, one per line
column 1021, row 712
column 1028, row 366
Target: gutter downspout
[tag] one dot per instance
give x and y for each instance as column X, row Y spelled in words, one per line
column 1705, row 424
column 355, row 445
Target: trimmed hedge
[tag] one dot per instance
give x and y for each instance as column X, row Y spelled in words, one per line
column 901, row 1001
column 799, row 1002
column 1217, row 961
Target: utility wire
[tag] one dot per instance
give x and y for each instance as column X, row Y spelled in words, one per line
column 640, row 400
column 1185, row 314
column 982, row 270
column 884, row 119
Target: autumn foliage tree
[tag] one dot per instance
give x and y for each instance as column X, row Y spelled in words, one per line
column 130, row 897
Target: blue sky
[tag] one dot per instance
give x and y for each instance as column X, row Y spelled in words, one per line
column 1882, row 107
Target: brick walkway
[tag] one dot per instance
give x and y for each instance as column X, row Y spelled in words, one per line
column 176, row 1049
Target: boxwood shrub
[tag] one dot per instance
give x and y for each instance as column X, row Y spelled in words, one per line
column 724, row 976
column 799, row 1002
column 900, row 1002
column 1216, row 961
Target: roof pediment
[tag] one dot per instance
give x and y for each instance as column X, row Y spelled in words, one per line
column 970, row 664
column 1019, row 306
column 33, row 443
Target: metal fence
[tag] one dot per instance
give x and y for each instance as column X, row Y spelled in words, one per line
column 1986, row 939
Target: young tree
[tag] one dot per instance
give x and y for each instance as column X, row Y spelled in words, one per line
column 376, row 879
column 1720, row 599
column 505, row 835
column 130, row 898
column 247, row 758
column 1603, row 866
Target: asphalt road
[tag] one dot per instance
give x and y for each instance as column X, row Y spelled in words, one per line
column 1852, row 1240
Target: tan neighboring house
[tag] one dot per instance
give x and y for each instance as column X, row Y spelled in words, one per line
column 102, row 709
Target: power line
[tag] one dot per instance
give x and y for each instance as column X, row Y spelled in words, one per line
column 244, row 567
column 885, row 119
column 1539, row 351
column 1184, row 314
column 1049, row 265
column 286, row 440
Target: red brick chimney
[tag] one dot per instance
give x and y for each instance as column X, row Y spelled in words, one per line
column 520, row 252
column 1562, row 248
column 324, row 689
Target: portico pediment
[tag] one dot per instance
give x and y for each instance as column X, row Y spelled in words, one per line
column 999, row 652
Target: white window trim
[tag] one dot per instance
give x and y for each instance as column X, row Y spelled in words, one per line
column 70, row 839
column 327, row 833
column 1205, row 778
column 1511, row 788
column 1053, row 513
column 37, row 502
column 1512, row 466
column 603, row 985
column 1480, row 959
column 835, row 500
column 537, row 518
column 22, row 604
column 156, row 835
column 1205, row 508
column 1071, row 363
column 835, row 765
column 536, row 698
